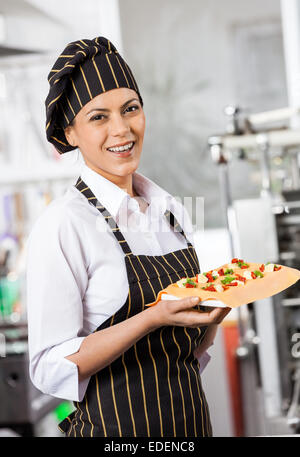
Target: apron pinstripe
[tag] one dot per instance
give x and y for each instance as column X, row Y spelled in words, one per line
column 154, row 388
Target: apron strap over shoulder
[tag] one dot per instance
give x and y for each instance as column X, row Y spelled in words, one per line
column 86, row 191
column 176, row 226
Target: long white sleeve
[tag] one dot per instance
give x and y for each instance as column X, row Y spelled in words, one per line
column 56, row 281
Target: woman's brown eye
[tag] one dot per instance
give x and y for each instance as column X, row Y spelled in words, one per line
column 96, row 118
column 130, row 108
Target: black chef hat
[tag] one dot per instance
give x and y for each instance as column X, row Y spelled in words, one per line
column 85, row 69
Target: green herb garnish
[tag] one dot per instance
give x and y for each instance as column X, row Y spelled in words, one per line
column 228, row 280
column 258, row 273
column 228, row 271
column 190, row 281
column 243, row 264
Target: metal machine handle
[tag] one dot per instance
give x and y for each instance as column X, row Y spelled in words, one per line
column 250, row 342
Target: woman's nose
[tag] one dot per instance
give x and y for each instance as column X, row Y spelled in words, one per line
column 118, row 126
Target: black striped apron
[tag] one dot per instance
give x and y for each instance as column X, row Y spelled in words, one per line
column 154, row 388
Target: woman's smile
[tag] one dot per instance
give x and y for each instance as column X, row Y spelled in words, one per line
column 122, row 151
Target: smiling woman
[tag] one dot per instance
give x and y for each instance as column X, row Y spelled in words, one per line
column 130, row 370
column 109, row 131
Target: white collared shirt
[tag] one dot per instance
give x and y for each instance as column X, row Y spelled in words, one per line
column 73, row 260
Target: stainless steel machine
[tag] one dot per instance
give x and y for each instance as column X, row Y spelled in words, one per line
column 265, row 227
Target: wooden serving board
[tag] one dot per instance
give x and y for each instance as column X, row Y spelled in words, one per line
column 254, row 289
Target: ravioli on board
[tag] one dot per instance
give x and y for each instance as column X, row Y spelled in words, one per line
column 234, row 284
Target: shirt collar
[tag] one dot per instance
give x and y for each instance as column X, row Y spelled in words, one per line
column 112, row 196
column 158, row 199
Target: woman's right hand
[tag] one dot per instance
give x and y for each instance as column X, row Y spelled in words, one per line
column 100, row 349
column 182, row 313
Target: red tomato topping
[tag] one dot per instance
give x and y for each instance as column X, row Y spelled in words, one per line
column 235, row 260
column 253, row 275
column 210, row 277
column 221, row 272
column 240, row 278
column 211, row 288
column 196, row 278
column 262, row 267
column 233, row 284
column 276, row 268
column 189, row 286
column 225, row 288
column 244, row 266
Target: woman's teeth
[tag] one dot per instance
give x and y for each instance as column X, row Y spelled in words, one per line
column 124, row 148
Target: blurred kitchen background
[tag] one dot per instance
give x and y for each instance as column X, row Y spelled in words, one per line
column 221, row 89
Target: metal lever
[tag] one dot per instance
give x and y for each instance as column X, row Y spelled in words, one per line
column 233, row 112
column 264, row 146
column 249, row 350
column 251, row 340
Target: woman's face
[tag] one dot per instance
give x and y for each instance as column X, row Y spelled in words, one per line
column 110, row 120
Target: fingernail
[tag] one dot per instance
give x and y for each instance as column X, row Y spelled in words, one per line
column 195, row 299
